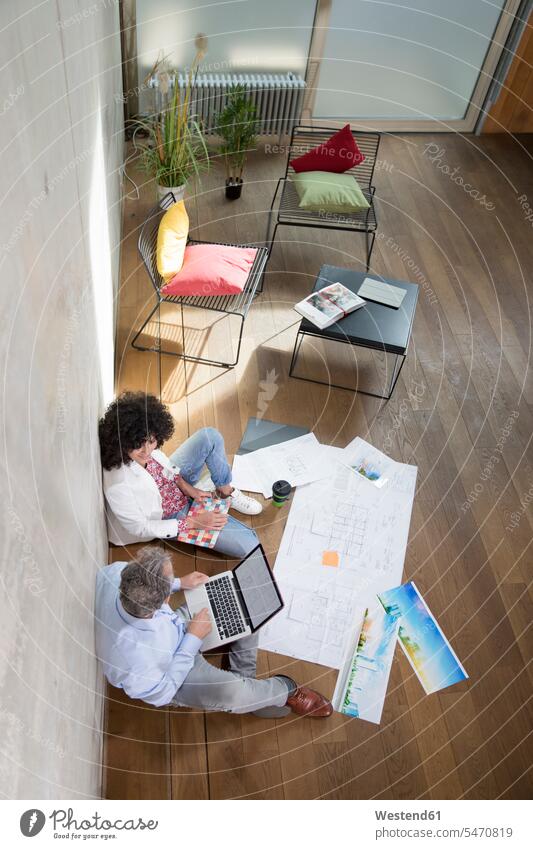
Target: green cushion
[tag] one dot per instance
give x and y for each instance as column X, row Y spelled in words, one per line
column 328, row 192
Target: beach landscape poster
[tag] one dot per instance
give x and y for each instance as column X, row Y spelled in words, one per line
column 427, row 649
column 363, row 679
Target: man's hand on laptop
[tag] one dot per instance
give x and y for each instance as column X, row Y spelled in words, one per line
column 193, row 580
column 200, row 625
column 207, row 520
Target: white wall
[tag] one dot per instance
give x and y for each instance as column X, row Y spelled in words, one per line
column 61, row 137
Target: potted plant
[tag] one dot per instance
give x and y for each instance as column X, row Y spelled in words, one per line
column 237, row 126
column 176, row 149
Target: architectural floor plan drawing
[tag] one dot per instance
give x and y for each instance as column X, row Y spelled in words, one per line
column 344, row 541
column 341, row 531
column 348, row 526
column 299, row 461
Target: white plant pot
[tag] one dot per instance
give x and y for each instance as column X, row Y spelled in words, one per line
column 177, row 191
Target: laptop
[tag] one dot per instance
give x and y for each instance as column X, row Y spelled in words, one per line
column 240, row 601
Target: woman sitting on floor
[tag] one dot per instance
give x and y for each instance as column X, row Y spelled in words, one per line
column 148, row 494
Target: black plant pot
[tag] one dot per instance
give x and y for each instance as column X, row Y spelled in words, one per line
column 233, row 189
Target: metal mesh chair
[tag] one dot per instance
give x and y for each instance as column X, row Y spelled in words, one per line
column 238, row 304
column 304, row 139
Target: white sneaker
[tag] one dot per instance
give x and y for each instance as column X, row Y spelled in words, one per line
column 244, row 504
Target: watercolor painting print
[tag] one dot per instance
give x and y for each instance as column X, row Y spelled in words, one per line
column 367, row 461
column 363, row 679
column 368, row 470
column 425, row 646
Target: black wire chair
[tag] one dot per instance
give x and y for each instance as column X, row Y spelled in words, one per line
column 229, row 305
column 304, row 139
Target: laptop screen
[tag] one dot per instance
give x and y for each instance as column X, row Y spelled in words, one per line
column 258, row 587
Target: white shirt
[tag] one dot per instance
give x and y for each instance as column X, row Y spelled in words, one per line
column 147, row 658
column 133, row 503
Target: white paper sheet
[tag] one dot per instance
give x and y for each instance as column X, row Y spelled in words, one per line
column 298, row 461
column 244, row 476
column 344, row 542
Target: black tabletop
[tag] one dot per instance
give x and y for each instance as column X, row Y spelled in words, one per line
column 374, row 325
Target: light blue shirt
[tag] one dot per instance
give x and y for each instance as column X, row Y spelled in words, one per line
column 148, row 658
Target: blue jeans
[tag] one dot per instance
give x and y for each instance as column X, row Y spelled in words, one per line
column 206, row 448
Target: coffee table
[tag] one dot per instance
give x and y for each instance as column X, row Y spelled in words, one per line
column 373, row 326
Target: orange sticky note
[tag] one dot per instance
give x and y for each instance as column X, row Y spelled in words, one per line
column 330, row 558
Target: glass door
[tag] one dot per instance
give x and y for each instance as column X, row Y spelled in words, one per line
column 406, row 64
column 244, row 36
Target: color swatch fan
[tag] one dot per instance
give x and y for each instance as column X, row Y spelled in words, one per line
column 204, row 538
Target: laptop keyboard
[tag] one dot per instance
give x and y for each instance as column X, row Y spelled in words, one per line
column 226, row 611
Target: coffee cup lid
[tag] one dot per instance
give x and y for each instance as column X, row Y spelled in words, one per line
column 281, row 488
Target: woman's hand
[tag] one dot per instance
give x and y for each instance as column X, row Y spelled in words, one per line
column 199, row 494
column 207, row 520
column 193, row 580
column 191, row 491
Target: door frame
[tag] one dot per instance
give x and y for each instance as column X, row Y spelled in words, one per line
column 437, row 125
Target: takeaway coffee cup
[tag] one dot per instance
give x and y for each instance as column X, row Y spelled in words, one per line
column 280, row 492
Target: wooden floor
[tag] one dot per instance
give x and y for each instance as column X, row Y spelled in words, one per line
column 465, row 396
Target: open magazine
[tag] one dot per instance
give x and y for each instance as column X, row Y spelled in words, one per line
column 329, row 305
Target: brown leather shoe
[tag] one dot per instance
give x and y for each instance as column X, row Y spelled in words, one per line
column 307, row 702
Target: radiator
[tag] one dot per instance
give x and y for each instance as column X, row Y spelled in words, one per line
column 278, row 99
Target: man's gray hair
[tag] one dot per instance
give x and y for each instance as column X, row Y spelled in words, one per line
column 143, row 584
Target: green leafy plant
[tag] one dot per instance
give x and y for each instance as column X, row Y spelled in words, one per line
column 237, row 126
column 176, row 150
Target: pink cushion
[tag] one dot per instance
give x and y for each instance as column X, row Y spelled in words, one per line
column 337, row 154
column 212, row 270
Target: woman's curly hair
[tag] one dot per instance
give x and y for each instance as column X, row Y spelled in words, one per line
column 131, row 420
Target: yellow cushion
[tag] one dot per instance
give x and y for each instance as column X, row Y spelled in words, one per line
column 171, row 240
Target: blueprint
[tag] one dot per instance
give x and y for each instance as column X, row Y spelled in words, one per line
column 298, row 461
column 343, row 543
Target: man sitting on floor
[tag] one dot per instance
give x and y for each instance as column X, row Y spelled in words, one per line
column 153, row 653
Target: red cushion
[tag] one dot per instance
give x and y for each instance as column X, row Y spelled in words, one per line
column 212, row 270
column 338, row 154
